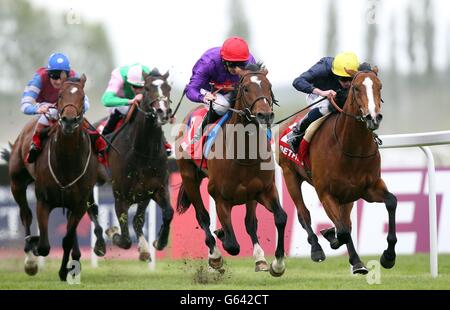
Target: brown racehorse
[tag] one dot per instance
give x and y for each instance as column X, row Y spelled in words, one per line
column 64, row 176
column 140, row 170
column 236, row 179
column 345, row 167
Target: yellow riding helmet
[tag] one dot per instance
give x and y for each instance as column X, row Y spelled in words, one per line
column 347, row 60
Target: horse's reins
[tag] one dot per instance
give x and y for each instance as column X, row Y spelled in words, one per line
column 63, row 187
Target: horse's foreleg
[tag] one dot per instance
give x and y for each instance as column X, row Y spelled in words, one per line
column 229, row 242
column 380, row 193
column 42, row 213
column 122, row 240
column 293, row 183
column 251, row 225
column 100, row 247
column 334, row 212
column 138, row 224
column 270, row 200
column 163, row 200
column 69, row 242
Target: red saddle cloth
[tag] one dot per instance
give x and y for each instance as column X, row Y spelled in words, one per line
column 192, row 148
column 302, row 157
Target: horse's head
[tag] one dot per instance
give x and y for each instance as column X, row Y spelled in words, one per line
column 365, row 91
column 156, row 102
column 71, row 103
column 254, row 94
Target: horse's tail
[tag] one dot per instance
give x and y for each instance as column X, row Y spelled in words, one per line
column 6, row 154
column 183, row 201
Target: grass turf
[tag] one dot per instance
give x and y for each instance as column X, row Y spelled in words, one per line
column 410, row 272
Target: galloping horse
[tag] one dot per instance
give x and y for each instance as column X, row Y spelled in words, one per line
column 236, row 179
column 64, row 176
column 140, row 171
column 345, row 166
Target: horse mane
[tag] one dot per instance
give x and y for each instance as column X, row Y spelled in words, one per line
column 251, row 67
column 155, row 72
column 74, row 79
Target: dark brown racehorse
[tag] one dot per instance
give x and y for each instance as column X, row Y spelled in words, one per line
column 140, row 169
column 345, row 167
column 244, row 178
column 64, row 176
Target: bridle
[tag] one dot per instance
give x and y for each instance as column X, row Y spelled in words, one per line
column 80, row 113
column 145, row 102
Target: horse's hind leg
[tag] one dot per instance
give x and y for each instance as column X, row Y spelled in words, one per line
column 251, row 225
column 270, row 200
column 163, row 200
column 100, row 247
column 68, row 244
column 122, row 240
column 380, row 193
column 293, row 183
column 192, row 187
column 138, row 224
column 19, row 191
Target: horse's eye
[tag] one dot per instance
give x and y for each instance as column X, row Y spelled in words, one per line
column 246, row 89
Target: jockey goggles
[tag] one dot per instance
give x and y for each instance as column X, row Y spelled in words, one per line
column 234, row 64
column 55, row 74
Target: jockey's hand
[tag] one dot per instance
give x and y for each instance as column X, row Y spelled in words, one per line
column 209, row 97
column 172, row 120
column 43, row 108
column 138, row 98
column 330, row 94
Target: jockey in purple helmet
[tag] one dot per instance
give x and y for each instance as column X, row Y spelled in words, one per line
column 41, row 95
column 218, row 66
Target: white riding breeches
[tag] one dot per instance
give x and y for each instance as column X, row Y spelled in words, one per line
column 324, row 106
column 221, row 104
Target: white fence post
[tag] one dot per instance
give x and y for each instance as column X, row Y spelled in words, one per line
column 432, row 215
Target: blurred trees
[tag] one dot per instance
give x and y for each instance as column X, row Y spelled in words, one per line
column 29, row 35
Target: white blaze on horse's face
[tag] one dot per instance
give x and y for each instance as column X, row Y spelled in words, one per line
column 158, row 84
column 368, row 83
column 73, row 90
column 255, row 79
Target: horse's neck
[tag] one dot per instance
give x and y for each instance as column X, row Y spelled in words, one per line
column 147, row 136
column 68, row 150
column 352, row 134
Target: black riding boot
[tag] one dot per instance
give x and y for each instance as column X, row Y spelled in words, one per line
column 112, row 122
column 299, row 130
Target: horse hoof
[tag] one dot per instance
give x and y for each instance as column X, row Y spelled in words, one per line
column 111, row 231
column 63, row 275
column 261, row 266
column 31, row 269
column 329, row 233
column 386, row 261
column 318, row 256
column 145, row 257
column 100, row 248
column 156, row 244
column 216, row 263
column 274, row 273
column 359, row 268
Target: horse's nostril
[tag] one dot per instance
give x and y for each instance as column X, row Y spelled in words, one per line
column 379, row 117
column 159, row 111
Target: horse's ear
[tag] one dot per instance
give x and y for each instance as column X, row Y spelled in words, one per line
column 375, row 70
column 83, row 79
column 165, row 75
column 264, row 71
column 351, row 72
column 63, row 76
